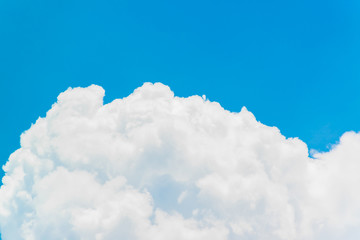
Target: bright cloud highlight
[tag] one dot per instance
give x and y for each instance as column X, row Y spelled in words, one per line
column 155, row 166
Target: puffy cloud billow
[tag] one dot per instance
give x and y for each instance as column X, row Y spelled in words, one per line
column 156, row 166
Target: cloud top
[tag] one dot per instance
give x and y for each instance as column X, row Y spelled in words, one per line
column 156, row 166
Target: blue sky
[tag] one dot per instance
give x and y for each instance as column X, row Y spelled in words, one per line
column 294, row 64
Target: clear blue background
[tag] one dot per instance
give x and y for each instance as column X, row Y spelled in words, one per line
column 294, row 64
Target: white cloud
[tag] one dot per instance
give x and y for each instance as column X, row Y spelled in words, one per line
column 155, row 166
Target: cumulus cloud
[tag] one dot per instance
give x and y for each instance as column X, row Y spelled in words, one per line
column 156, row 166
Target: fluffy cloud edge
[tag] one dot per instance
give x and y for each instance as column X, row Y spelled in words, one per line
column 242, row 178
